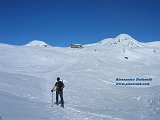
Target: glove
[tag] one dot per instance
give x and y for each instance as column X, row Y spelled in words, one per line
column 52, row 90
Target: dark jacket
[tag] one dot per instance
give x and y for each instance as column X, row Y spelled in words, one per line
column 59, row 86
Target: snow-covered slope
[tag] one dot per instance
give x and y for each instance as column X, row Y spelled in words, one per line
column 37, row 43
column 121, row 40
column 27, row 75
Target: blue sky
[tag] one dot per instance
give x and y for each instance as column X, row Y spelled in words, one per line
column 61, row 22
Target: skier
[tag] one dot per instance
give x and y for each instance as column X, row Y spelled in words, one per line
column 58, row 87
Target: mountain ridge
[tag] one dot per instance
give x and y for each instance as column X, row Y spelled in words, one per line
column 125, row 41
column 38, row 43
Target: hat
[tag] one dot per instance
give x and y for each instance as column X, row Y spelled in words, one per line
column 58, row 79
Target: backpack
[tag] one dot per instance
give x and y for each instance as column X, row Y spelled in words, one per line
column 59, row 86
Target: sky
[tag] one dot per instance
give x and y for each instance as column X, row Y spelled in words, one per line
column 62, row 22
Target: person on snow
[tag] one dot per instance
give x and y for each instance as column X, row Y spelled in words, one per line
column 58, row 87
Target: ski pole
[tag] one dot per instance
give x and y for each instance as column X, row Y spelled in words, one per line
column 52, row 99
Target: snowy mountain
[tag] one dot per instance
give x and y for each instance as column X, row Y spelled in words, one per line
column 122, row 40
column 37, row 43
column 97, row 81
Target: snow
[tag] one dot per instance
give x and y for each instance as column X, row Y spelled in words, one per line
column 37, row 43
column 27, row 74
column 122, row 40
